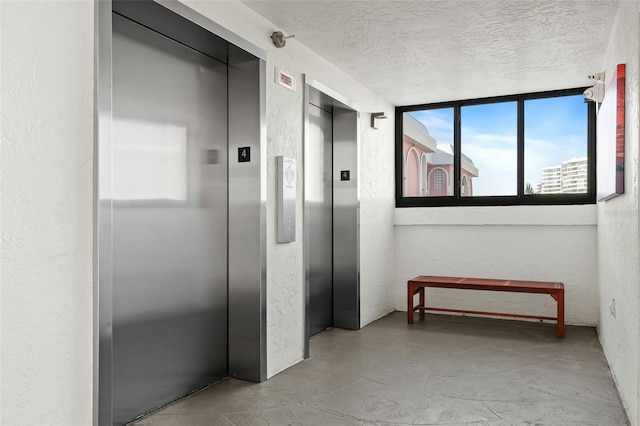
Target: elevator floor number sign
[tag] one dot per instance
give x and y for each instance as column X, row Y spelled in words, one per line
column 244, row 154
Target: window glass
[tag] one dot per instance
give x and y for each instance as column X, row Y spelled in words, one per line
column 427, row 141
column 489, row 149
column 555, row 155
column 524, row 149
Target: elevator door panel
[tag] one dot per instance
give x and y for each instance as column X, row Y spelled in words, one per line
column 320, row 201
column 169, row 191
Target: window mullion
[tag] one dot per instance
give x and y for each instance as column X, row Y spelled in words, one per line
column 520, row 149
column 457, row 149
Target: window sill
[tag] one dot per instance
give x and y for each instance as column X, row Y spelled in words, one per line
column 571, row 215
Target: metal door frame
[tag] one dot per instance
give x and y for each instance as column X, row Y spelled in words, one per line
column 247, row 194
column 346, row 123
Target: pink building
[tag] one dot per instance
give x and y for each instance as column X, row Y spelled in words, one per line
column 428, row 165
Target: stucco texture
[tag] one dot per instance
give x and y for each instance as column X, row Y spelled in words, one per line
column 47, row 141
column 618, row 226
column 46, row 194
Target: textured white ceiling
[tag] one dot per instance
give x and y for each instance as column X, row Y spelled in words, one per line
column 419, row 51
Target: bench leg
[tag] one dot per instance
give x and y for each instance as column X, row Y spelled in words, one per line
column 410, row 304
column 412, row 290
column 560, row 300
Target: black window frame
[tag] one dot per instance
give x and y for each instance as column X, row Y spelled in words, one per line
column 520, row 198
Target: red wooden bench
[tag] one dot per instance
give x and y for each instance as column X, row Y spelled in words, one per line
column 418, row 284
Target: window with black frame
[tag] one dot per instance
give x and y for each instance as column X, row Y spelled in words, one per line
column 536, row 148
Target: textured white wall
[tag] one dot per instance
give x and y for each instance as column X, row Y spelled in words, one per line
column 46, row 122
column 285, row 274
column 546, row 243
column 46, row 128
column 618, row 226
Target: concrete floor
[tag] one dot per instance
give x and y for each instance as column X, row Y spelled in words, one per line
column 443, row 371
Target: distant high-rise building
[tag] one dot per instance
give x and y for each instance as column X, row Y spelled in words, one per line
column 551, row 180
column 570, row 176
column 574, row 175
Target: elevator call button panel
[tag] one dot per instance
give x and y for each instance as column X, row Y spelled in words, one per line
column 286, row 199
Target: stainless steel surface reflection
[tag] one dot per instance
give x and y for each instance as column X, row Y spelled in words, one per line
column 169, row 191
column 247, row 219
column 346, row 224
column 319, row 202
column 331, row 199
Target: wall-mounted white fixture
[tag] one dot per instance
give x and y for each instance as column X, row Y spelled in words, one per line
column 595, row 93
column 376, row 116
column 279, row 39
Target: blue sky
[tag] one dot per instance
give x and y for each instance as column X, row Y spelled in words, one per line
column 555, row 131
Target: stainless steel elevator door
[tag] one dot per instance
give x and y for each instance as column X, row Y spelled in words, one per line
column 169, row 192
column 320, row 219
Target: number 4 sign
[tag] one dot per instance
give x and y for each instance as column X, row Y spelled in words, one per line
column 244, row 154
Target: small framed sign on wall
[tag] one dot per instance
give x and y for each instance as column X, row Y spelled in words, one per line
column 610, row 138
column 285, row 80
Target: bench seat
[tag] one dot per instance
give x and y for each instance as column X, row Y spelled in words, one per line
column 417, row 286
